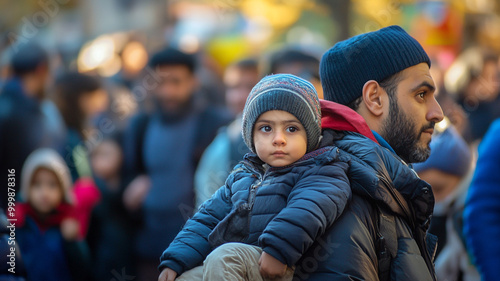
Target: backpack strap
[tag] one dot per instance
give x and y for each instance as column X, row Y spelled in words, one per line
column 386, row 241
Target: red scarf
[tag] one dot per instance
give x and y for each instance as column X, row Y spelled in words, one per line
column 24, row 210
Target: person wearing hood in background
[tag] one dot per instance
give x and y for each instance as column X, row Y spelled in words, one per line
column 47, row 228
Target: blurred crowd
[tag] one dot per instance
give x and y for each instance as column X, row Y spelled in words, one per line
column 107, row 170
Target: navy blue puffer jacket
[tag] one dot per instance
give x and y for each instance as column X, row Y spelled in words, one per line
column 352, row 248
column 293, row 206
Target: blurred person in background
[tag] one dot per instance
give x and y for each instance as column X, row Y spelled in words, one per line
column 228, row 147
column 474, row 80
column 210, row 74
column 47, row 228
column 80, row 98
column 23, row 124
column 296, row 62
column 448, row 171
column 482, row 208
column 451, row 109
column 162, row 149
column 110, row 234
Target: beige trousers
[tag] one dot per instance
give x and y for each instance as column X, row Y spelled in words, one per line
column 231, row 262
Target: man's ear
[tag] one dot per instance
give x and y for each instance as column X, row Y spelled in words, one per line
column 373, row 98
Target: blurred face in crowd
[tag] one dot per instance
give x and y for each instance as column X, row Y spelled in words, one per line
column 176, row 86
column 239, row 83
column 106, row 159
column 279, row 138
column 486, row 86
column 302, row 70
column 413, row 112
column 45, row 192
column 94, row 102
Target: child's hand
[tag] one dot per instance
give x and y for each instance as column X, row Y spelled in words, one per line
column 271, row 267
column 167, row 274
column 70, row 229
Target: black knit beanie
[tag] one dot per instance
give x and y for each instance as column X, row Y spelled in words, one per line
column 349, row 64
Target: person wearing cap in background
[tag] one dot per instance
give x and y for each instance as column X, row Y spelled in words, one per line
column 482, row 207
column 275, row 202
column 448, row 171
column 380, row 110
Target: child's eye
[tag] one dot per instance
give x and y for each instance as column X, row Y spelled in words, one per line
column 265, row 129
column 292, row 129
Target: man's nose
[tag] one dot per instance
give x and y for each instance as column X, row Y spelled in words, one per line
column 435, row 113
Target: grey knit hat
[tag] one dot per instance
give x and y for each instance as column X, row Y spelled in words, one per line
column 288, row 93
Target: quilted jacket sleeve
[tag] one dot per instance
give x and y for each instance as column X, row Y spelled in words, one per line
column 316, row 201
column 190, row 247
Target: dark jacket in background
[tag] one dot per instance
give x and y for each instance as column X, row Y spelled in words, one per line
column 350, row 249
column 110, row 234
column 168, row 150
column 292, row 205
column 23, row 129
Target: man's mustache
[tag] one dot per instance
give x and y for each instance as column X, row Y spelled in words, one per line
column 429, row 126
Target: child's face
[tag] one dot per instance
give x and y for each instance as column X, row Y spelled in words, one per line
column 279, row 138
column 45, row 192
column 106, row 159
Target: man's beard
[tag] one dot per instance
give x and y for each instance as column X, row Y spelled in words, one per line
column 400, row 132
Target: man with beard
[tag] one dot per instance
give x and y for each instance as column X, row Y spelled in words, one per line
column 23, row 124
column 380, row 110
column 162, row 150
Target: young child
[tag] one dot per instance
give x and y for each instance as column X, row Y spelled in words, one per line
column 48, row 229
column 275, row 203
column 111, row 228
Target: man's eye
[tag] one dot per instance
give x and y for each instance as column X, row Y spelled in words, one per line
column 292, row 129
column 265, row 129
column 421, row 95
